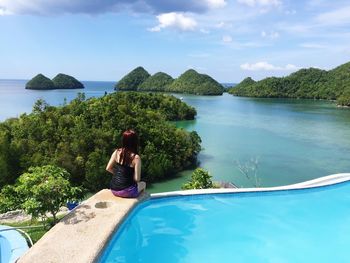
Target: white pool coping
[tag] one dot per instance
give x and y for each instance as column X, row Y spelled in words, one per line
column 318, row 182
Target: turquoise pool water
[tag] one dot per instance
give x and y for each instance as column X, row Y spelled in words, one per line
column 311, row 225
column 12, row 245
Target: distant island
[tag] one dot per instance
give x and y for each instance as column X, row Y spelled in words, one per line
column 61, row 81
column 190, row 82
column 309, row 83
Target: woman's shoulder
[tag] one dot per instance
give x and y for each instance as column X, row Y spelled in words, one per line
column 137, row 157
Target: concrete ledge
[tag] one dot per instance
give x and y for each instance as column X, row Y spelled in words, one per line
column 82, row 234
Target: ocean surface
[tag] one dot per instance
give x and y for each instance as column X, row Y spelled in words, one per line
column 277, row 141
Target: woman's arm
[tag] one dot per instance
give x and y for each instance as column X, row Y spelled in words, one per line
column 137, row 163
column 111, row 162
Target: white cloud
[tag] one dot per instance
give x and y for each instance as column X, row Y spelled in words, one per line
column 265, row 66
column 339, row 16
column 227, row 39
column 174, row 20
column 253, row 3
column 271, row 34
column 204, row 31
column 312, row 45
column 216, row 3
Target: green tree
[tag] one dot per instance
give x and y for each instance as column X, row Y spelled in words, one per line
column 200, row 179
column 44, row 190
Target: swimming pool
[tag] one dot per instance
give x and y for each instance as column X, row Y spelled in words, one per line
column 305, row 225
column 12, row 245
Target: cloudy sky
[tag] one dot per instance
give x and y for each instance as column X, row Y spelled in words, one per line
column 227, row 39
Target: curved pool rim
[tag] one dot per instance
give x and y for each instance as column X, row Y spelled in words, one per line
column 12, row 244
column 314, row 183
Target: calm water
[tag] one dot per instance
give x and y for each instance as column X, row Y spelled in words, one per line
column 15, row 99
column 293, row 140
column 288, row 226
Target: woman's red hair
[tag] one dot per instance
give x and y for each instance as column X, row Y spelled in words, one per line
column 129, row 147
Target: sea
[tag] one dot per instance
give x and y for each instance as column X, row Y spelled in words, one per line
column 246, row 141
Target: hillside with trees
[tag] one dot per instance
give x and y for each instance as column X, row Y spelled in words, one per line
column 81, row 136
column 40, row 82
column 156, row 82
column 63, row 81
column 309, row 83
column 133, row 79
column 192, row 82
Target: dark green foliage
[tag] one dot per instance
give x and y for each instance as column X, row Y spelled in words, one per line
column 156, row 82
column 194, row 83
column 62, row 81
column 81, row 136
column 309, row 83
column 133, row 80
column 40, row 82
column 200, row 179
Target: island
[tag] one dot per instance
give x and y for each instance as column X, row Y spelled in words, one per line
column 156, row 82
column 61, row 81
column 190, row 82
column 40, row 82
column 311, row 83
column 132, row 80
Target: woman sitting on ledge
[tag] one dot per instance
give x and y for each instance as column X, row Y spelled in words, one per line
column 125, row 165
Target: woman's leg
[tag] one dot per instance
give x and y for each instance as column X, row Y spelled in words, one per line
column 141, row 186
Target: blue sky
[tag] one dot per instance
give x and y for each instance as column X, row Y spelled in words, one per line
column 227, row 39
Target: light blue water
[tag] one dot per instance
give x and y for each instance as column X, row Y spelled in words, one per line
column 12, row 245
column 285, row 226
column 15, row 99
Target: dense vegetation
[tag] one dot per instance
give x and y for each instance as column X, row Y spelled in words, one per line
column 200, row 179
column 81, row 136
column 309, row 83
column 133, row 80
column 40, row 82
column 194, row 83
column 63, row 81
column 156, row 82
column 190, row 82
column 39, row 192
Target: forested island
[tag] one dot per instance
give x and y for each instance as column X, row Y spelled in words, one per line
column 81, row 136
column 309, row 83
column 61, row 81
column 190, row 82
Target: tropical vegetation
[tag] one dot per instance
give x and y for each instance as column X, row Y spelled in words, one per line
column 81, row 136
column 40, row 82
column 63, row 81
column 190, row 82
column 156, row 82
column 40, row 192
column 309, row 83
column 200, row 179
column 133, row 79
column 193, row 82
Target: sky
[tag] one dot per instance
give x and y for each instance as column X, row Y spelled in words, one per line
column 227, row 39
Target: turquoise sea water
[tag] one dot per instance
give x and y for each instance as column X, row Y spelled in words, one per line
column 283, row 226
column 293, row 140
